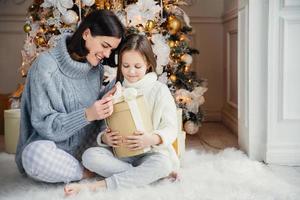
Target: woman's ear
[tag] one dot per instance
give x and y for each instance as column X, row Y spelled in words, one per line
column 86, row 33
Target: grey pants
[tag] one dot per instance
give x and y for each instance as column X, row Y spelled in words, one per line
column 43, row 161
column 129, row 172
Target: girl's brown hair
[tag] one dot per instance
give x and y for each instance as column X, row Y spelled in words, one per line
column 141, row 44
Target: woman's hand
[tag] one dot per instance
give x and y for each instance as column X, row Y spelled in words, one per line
column 100, row 109
column 111, row 138
column 110, row 92
column 140, row 140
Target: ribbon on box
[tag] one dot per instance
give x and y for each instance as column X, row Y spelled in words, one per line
column 129, row 95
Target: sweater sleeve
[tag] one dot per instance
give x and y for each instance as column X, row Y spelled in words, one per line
column 51, row 123
column 165, row 112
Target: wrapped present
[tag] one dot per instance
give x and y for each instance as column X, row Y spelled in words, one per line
column 179, row 144
column 130, row 114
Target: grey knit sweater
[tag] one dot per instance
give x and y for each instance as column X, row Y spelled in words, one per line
column 57, row 91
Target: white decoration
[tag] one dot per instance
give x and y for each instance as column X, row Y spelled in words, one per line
column 191, row 100
column 162, row 51
column 70, row 17
column 88, row 2
column 176, row 10
column 110, row 73
column 61, row 5
column 54, row 39
column 121, row 15
column 190, row 127
column 55, row 20
column 163, row 78
column 142, row 11
column 187, row 58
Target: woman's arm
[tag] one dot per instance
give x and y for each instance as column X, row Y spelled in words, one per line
column 52, row 124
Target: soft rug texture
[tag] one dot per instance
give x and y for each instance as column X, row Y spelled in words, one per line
column 226, row 175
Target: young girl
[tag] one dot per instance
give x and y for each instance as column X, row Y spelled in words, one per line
column 137, row 70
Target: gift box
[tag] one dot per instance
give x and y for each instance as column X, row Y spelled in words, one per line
column 179, row 143
column 130, row 114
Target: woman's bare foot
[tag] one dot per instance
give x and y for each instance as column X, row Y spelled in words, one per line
column 75, row 188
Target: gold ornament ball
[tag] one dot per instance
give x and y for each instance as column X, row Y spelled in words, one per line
column 99, row 4
column 190, row 127
column 171, row 17
column 174, row 25
column 27, row 28
column 150, row 25
column 107, row 5
column 173, row 78
column 40, row 40
column 171, row 43
column 183, row 37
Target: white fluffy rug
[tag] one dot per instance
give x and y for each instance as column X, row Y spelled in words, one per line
column 226, row 175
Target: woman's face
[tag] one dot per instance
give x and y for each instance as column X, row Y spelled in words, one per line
column 99, row 47
column 133, row 66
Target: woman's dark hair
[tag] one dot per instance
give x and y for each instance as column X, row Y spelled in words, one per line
column 100, row 23
column 141, row 44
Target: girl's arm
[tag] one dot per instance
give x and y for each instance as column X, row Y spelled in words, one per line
column 165, row 114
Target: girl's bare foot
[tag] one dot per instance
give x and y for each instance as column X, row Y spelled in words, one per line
column 174, row 176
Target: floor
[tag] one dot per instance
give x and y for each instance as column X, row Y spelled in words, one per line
column 214, row 137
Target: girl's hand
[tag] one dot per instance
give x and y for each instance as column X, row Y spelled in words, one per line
column 140, row 140
column 112, row 138
column 100, row 109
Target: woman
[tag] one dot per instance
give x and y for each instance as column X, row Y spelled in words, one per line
column 63, row 103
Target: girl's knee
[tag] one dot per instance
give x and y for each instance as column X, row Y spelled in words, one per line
column 93, row 155
column 164, row 164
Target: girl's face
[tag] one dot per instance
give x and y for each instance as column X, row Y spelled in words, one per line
column 99, row 47
column 133, row 66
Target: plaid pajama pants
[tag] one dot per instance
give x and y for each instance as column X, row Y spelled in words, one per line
column 43, row 161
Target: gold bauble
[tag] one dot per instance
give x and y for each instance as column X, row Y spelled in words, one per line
column 150, row 24
column 171, row 43
column 23, row 72
column 183, row 37
column 187, row 68
column 40, row 41
column 99, row 4
column 107, row 5
column 173, row 78
column 27, row 28
column 174, row 25
column 171, row 17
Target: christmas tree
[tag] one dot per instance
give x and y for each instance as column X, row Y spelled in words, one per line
column 165, row 24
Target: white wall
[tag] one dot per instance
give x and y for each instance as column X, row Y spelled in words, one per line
column 206, row 19
column 229, row 111
column 12, row 18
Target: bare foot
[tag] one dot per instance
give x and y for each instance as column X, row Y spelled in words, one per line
column 174, row 176
column 75, row 188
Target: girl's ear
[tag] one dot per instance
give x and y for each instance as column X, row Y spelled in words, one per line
column 149, row 69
